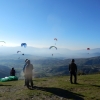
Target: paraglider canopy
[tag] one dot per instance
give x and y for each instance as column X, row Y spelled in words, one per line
column 2, row 43
column 55, row 39
column 52, row 47
column 88, row 48
column 23, row 54
column 18, row 51
column 23, row 45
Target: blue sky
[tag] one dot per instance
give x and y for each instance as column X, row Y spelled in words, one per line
column 75, row 23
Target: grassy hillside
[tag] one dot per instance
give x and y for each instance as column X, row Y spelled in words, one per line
column 53, row 88
column 49, row 66
column 52, row 66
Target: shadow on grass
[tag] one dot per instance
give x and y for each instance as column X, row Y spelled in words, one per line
column 79, row 84
column 39, row 80
column 5, row 85
column 61, row 93
column 96, row 85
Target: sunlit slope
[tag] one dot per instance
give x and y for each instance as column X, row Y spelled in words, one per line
column 53, row 88
column 49, row 66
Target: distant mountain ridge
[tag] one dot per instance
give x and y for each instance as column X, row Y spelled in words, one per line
column 4, row 71
column 46, row 52
column 48, row 66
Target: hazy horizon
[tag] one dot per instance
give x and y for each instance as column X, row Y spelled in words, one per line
column 46, row 52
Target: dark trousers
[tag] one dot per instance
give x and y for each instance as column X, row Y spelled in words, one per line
column 29, row 80
column 25, row 82
column 75, row 77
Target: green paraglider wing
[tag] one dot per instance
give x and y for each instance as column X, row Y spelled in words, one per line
column 9, row 78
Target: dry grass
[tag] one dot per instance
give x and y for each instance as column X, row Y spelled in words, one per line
column 53, row 88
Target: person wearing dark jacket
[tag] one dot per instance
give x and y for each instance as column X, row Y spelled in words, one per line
column 12, row 72
column 73, row 71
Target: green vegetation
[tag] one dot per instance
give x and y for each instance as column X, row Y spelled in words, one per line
column 53, row 88
column 44, row 67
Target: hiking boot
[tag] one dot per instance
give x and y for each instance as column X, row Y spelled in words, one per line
column 32, row 86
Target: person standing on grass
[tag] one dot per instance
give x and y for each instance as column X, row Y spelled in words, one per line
column 29, row 74
column 12, row 72
column 24, row 70
column 73, row 71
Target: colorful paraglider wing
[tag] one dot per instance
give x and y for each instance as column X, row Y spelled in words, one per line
column 23, row 44
column 52, row 47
